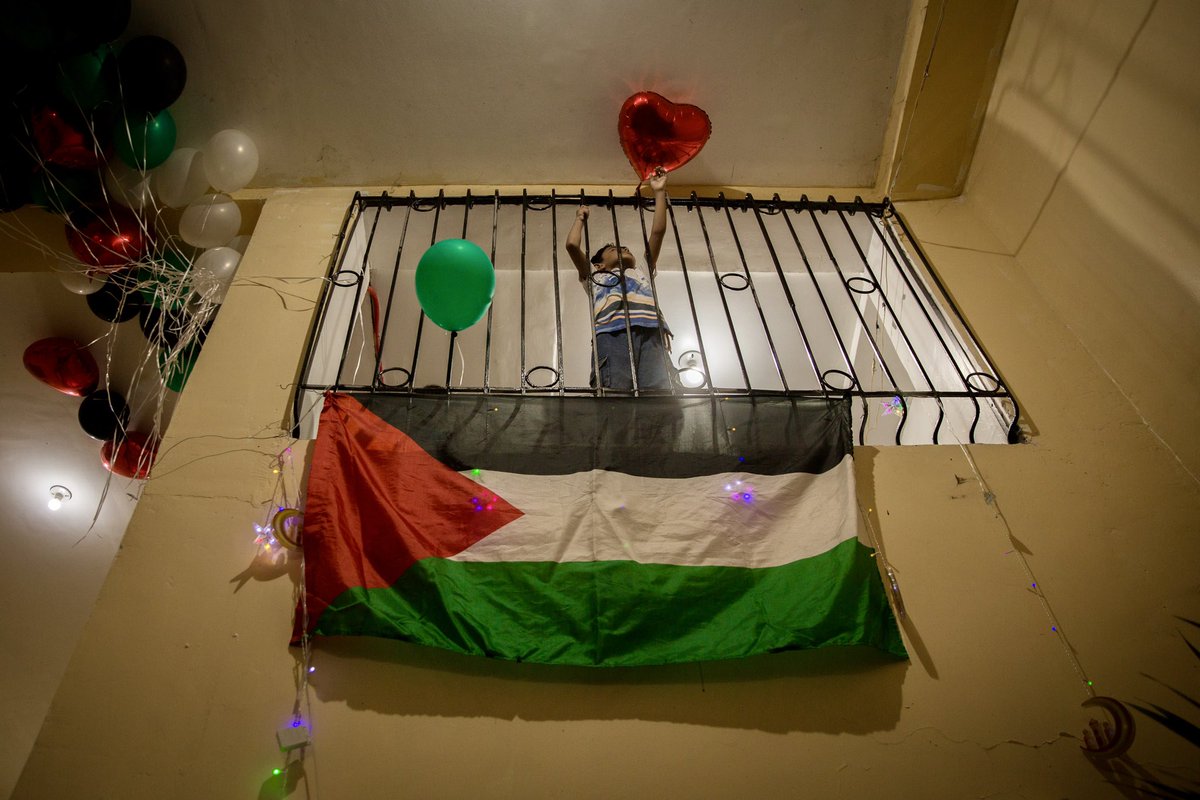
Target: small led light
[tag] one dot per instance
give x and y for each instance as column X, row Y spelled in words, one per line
column 58, row 496
column 277, row 771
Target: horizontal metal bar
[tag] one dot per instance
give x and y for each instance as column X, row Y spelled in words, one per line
column 604, row 200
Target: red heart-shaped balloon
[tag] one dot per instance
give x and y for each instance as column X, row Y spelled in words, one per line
column 62, row 143
column 658, row 133
column 107, row 239
column 132, row 456
column 64, row 364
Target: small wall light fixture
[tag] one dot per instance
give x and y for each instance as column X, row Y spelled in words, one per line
column 691, row 370
column 58, row 496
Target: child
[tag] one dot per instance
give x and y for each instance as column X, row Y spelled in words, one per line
column 616, row 284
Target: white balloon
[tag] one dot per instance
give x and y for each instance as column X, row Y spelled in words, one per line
column 180, row 180
column 230, row 160
column 81, row 281
column 128, row 186
column 213, row 272
column 211, row 221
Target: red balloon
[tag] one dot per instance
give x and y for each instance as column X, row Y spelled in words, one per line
column 61, row 143
column 64, row 364
column 658, row 133
column 108, row 240
column 132, row 456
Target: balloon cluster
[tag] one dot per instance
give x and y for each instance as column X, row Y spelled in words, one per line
column 69, row 367
column 87, row 134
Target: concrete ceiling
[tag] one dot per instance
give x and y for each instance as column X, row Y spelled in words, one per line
column 379, row 93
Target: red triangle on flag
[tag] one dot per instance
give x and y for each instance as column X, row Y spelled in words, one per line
column 378, row 503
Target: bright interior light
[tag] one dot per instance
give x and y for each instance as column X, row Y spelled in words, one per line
column 58, row 496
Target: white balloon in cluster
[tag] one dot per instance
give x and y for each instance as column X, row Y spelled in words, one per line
column 211, row 221
column 128, row 186
column 240, row 243
column 81, row 281
column 180, row 180
column 213, row 271
column 230, row 160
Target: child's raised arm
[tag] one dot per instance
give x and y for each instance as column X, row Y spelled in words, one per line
column 575, row 245
column 658, row 226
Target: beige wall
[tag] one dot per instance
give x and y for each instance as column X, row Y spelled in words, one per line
column 182, row 676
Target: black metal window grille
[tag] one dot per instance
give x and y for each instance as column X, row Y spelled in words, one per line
column 763, row 297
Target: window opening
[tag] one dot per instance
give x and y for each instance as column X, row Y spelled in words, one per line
column 763, row 297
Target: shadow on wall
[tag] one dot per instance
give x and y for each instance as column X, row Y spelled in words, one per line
column 833, row 690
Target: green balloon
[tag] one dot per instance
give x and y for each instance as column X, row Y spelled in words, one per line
column 455, row 283
column 165, row 278
column 144, row 142
column 83, row 79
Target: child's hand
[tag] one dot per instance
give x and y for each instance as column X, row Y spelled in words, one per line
column 658, row 181
column 582, row 213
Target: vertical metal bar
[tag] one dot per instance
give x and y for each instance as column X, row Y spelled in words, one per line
column 691, row 301
column 487, row 345
column 612, row 207
column 437, row 217
column 753, row 292
column 590, row 287
column 712, row 260
column 524, row 212
column 387, row 312
column 837, row 334
column 787, row 292
column 335, row 259
column 358, row 295
column 454, row 334
column 558, row 336
column 662, row 320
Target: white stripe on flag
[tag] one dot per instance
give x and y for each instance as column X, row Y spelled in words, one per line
column 612, row 516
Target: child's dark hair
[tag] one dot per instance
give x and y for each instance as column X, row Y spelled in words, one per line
column 598, row 256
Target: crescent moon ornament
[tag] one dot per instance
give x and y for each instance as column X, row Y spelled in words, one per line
column 1124, row 729
column 279, row 526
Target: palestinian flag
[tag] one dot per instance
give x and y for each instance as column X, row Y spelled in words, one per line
column 593, row 531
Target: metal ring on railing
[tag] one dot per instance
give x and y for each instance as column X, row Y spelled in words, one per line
column 736, row 276
column 872, row 286
column 552, row 382
column 532, row 207
column 984, row 389
column 849, row 380
column 407, row 378
column 357, row 277
column 423, row 204
column 615, row 278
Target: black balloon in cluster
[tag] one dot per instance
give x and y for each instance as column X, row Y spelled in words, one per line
column 116, row 301
column 152, row 74
column 163, row 328
column 103, row 414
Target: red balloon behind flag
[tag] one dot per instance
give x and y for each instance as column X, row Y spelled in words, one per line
column 658, row 133
column 63, row 364
column 131, row 457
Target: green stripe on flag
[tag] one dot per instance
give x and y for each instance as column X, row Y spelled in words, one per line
column 623, row 613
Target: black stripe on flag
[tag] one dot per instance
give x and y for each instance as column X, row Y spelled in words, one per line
column 658, row 437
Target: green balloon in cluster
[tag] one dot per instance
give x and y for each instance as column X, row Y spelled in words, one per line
column 455, row 283
column 144, row 142
column 82, row 80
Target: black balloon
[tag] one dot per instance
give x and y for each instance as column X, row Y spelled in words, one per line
column 103, row 414
column 116, row 301
column 152, row 74
column 162, row 328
